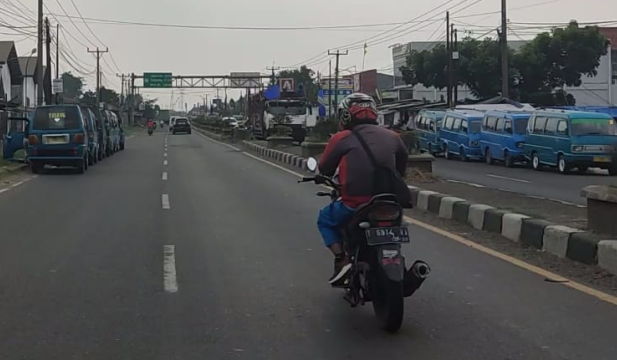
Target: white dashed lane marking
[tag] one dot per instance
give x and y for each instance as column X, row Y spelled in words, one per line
column 165, row 202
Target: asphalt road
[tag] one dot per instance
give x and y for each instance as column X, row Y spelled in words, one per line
column 229, row 265
column 547, row 183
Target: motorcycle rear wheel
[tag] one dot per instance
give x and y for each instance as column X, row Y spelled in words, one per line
column 388, row 303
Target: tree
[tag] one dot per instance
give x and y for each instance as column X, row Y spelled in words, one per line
column 109, row 96
column 89, row 98
column 304, row 76
column 538, row 72
column 232, row 103
column 73, row 86
column 557, row 59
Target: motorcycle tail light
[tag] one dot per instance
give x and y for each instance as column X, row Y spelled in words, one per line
column 384, row 213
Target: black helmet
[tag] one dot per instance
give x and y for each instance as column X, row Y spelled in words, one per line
column 355, row 109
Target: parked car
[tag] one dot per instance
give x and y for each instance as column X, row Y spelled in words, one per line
column 572, row 140
column 181, row 125
column 427, row 124
column 57, row 135
column 460, row 134
column 231, row 121
column 503, row 136
column 93, row 137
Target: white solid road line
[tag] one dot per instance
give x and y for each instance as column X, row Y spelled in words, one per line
column 170, row 280
column 165, row 154
column 507, row 178
column 165, row 202
column 165, row 163
column 165, row 176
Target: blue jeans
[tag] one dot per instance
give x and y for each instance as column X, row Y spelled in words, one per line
column 331, row 219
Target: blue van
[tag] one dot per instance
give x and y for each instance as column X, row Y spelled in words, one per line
column 571, row 139
column 58, row 135
column 93, row 136
column 428, row 123
column 503, row 136
column 460, row 134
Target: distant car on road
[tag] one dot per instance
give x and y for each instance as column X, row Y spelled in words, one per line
column 181, row 125
column 232, row 121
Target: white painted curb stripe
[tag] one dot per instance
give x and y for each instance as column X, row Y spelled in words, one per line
column 170, row 280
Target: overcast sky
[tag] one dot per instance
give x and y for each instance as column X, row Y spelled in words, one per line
column 141, row 49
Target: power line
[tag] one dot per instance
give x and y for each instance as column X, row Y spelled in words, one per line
column 85, row 23
column 74, row 25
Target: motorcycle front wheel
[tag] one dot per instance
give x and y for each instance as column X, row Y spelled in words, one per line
column 388, row 303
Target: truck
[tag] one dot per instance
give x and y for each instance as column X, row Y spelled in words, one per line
column 289, row 109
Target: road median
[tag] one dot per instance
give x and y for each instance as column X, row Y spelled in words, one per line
column 528, row 231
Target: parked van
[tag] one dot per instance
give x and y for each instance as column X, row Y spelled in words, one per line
column 428, row 123
column 503, row 136
column 93, row 136
column 114, row 131
column 58, row 135
column 460, row 134
column 571, row 139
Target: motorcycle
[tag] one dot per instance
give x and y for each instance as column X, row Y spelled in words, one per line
column 372, row 240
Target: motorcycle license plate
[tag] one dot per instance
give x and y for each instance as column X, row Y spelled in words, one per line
column 387, row 235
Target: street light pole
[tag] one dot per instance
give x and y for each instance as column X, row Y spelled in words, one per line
column 26, row 84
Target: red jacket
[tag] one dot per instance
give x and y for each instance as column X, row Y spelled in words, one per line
column 355, row 170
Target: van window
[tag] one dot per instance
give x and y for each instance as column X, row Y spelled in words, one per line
column 491, row 123
column 457, row 124
column 562, row 128
column 423, row 123
column 539, row 125
column 417, row 121
column 464, row 126
column 507, row 127
column 551, row 126
column 448, row 123
column 499, row 125
column 593, row 127
column 57, row 118
column 84, row 115
column 520, row 126
column 475, row 127
column 431, row 125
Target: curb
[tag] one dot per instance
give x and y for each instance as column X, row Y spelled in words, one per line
column 561, row 241
column 10, row 169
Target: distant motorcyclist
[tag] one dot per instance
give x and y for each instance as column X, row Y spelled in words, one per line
column 151, row 124
column 357, row 120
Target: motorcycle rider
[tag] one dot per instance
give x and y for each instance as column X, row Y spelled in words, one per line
column 151, row 124
column 357, row 113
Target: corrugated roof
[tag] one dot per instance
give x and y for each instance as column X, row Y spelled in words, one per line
column 31, row 62
column 5, row 50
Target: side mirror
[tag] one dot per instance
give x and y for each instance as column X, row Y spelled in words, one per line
column 311, row 164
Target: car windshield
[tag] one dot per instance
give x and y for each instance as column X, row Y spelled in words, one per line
column 286, row 108
column 474, row 127
column 181, row 121
column 57, row 118
column 520, row 126
column 581, row 127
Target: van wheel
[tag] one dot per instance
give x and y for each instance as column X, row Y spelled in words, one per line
column 535, row 161
column 82, row 166
column 488, row 157
column 563, row 165
column 446, row 152
column 507, row 159
column 90, row 160
column 430, row 149
column 583, row 169
column 36, row 168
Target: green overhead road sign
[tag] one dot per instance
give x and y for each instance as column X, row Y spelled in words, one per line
column 157, row 80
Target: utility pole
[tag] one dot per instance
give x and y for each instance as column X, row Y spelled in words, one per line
column 504, row 51
column 99, row 54
column 121, row 76
column 39, row 56
column 449, row 60
column 330, row 91
column 48, row 93
column 58, row 51
column 132, row 103
column 273, row 77
column 336, row 71
column 455, row 70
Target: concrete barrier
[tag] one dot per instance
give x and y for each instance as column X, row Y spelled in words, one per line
column 493, row 219
column 414, row 196
column 434, row 203
column 475, row 216
column 511, row 226
column 423, row 199
column 583, row 247
column 460, row 211
column 532, row 232
column 447, row 205
column 607, row 255
column 556, row 238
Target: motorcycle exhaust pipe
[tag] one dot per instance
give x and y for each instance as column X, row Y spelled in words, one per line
column 421, row 270
column 414, row 277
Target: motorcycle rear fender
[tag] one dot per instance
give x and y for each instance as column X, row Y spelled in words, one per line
column 391, row 261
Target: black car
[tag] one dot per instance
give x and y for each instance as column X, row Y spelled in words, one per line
column 182, row 125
